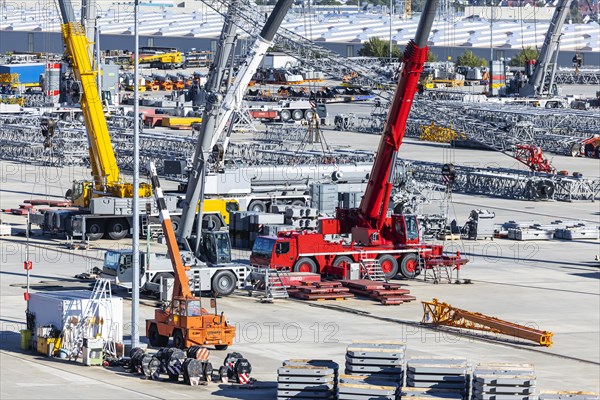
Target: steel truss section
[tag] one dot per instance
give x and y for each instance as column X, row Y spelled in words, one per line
column 511, row 184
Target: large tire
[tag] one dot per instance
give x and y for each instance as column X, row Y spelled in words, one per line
column 117, row 229
column 340, row 260
column 178, row 340
column 257, row 206
column 389, row 266
column 156, row 339
column 94, row 229
column 211, row 221
column 306, row 264
column 163, row 275
column 285, row 115
column 298, row 203
column 409, row 266
column 224, row 283
column 176, row 221
column 297, row 115
column 308, row 114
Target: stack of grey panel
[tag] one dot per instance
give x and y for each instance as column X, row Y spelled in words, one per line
column 257, row 220
column 500, row 381
column 411, row 393
column 439, row 373
column 324, row 196
column 349, row 199
column 239, row 222
column 578, row 232
column 569, row 396
column 301, row 217
column 314, row 379
column 378, row 359
column 363, row 387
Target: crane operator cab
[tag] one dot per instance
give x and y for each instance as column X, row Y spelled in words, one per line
column 217, row 247
column 406, row 228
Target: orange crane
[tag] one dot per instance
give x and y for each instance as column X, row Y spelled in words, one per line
column 439, row 313
column 183, row 319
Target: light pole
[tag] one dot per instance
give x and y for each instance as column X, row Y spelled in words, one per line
column 391, row 5
column 135, row 245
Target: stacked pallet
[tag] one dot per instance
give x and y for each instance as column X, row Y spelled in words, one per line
column 499, row 381
column 569, row 396
column 439, row 373
column 385, row 293
column 330, row 290
column 245, row 226
column 316, row 379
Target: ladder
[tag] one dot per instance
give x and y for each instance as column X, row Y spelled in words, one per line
column 275, row 288
column 371, row 269
column 83, row 327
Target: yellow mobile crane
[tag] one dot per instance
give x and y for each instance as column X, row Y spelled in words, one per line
column 106, row 175
column 164, row 60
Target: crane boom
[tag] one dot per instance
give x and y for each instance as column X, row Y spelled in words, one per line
column 102, row 156
column 548, row 53
column 218, row 112
column 181, row 286
column 374, row 204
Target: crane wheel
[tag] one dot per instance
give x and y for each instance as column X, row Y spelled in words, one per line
column 257, row 206
column 94, row 230
column 297, row 115
column 305, row 264
column 178, row 340
column 409, row 266
column 389, row 266
column 117, row 229
column 224, row 283
column 176, row 221
column 211, row 221
column 341, row 260
column 298, row 203
column 156, row 339
column 285, row 115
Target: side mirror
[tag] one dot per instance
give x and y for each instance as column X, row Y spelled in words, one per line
column 278, row 248
column 213, row 303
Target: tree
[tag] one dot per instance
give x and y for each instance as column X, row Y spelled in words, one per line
column 528, row 53
column 431, row 57
column 377, row 47
column 468, row 59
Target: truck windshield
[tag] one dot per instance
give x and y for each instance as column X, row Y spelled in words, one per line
column 263, row 247
column 193, row 308
column 111, row 260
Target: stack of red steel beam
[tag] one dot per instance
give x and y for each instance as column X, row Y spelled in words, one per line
column 330, row 290
column 386, row 293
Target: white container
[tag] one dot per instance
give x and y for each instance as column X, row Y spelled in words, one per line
column 58, row 307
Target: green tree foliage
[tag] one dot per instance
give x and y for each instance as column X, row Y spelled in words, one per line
column 431, row 57
column 468, row 59
column 528, row 53
column 377, row 47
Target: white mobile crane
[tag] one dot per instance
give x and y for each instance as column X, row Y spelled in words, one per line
column 207, row 253
column 545, row 65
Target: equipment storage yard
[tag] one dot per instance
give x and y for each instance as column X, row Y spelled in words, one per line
column 552, row 285
column 348, row 239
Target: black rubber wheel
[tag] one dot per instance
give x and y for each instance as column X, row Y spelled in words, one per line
column 340, row 260
column 305, row 264
column 178, row 340
column 211, row 221
column 389, row 266
column 285, row 115
column 409, row 266
column 164, row 275
column 117, row 229
column 257, row 206
column 308, row 114
column 297, row 115
column 176, row 221
column 156, row 339
column 94, row 229
column 223, row 283
column 221, row 346
column 298, row 203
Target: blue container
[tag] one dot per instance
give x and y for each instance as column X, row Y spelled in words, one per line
column 28, row 73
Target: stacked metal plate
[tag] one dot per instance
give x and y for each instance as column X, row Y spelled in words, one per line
column 568, row 396
column 501, row 381
column 439, row 373
column 379, row 359
column 363, row 387
column 411, row 393
column 307, row 379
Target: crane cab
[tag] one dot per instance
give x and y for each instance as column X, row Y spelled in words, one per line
column 217, row 247
column 405, row 229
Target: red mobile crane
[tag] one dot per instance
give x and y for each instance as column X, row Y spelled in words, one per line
column 393, row 241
